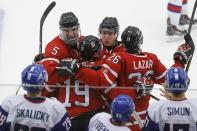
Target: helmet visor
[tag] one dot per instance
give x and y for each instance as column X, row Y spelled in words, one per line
column 70, row 35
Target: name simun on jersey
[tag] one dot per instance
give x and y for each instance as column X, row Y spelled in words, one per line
column 181, row 111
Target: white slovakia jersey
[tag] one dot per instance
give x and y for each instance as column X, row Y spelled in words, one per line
column 101, row 122
column 19, row 113
column 168, row 115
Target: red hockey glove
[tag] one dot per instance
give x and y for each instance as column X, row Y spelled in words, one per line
column 68, row 66
column 185, row 51
column 143, row 86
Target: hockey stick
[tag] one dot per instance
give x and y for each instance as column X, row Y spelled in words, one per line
column 189, row 31
column 44, row 15
column 154, row 97
column 18, row 89
column 192, row 17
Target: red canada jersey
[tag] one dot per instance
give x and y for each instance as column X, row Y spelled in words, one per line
column 123, row 69
column 77, row 97
column 74, row 94
column 55, row 51
column 58, row 49
column 105, row 53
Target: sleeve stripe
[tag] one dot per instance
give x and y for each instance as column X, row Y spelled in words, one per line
column 111, row 70
column 142, row 112
column 162, row 75
column 50, row 59
column 109, row 88
column 133, row 123
column 107, row 78
column 138, row 119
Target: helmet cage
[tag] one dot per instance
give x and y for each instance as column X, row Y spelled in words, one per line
column 64, row 35
column 69, row 22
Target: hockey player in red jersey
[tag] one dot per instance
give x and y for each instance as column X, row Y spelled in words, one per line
column 62, row 46
column 82, row 100
column 65, row 45
column 109, row 31
column 130, row 68
column 78, row 101
column 81, row 103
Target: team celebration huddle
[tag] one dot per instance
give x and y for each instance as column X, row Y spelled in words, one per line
column 97, row 83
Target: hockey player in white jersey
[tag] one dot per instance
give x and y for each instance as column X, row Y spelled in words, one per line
column 177, row 17
column 31, row 112
column 122, row 107
column 177, row 113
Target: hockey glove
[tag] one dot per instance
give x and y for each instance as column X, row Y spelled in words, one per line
column 91, row 65
column 183, row 53
column 38, row 57
column 143, row 86
column 68, row 66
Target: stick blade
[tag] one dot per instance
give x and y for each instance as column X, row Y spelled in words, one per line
column 44, row 15
column 46, row 12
